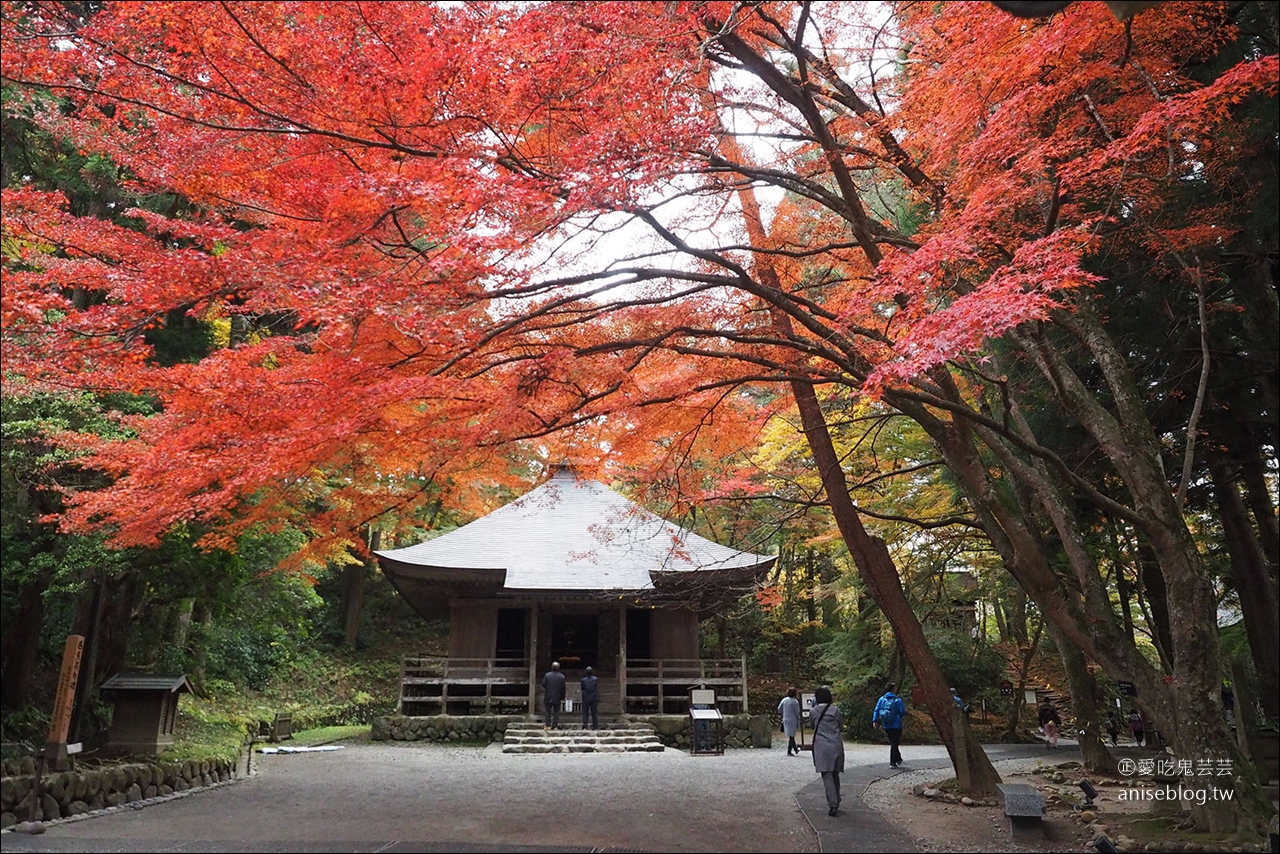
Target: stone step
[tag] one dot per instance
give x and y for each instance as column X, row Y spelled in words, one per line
column 583, row 747
column 650, row 739
column 612, row 737
column 604, row 725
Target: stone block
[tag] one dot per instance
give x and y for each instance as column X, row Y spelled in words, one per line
column 1024, row 805
column 1019, row 799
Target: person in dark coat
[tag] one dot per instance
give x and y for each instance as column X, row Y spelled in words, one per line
column 828, row 746
column 553, row 695
column 888, row 715
column 591, row 699
column 1113, row 729
column 1137, row 726
column 1050, row 721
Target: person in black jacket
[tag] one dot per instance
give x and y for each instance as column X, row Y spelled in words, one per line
column 591, row 699
column 1050, row 720
column 552, row 695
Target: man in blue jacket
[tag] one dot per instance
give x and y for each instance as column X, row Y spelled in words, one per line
column 888, row 715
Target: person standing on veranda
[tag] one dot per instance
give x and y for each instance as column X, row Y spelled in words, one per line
column 828, row 746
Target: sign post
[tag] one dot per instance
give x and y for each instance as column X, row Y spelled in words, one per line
column 806, row 703
column 64, row 701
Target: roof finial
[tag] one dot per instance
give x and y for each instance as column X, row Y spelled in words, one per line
column 563, row 467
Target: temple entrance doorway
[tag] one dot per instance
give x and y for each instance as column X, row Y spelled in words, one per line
column 575, row 640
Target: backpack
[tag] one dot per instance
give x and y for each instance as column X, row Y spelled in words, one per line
column 884, row 711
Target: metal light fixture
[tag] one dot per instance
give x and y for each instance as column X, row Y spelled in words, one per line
column 1105, row 846
column 1090, row 793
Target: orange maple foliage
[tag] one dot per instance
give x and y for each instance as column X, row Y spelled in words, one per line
column 381, row 175
column 408, row 205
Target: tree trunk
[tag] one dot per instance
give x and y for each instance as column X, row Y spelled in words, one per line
column 22, row 644
column 1157, row 598
column 1123, row 589
column 353, row 579
column 203, row 617
column 182, row 623
column 1086, row 701
column 1257, row 596
column 1253, row 474
column 89, row 665
column 875, row 564
column 1018, row 700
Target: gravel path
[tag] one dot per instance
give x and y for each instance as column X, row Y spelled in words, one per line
column 397, row 797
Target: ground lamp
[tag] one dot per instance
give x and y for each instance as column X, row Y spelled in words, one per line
column 1105, row 846
column 1090, row 793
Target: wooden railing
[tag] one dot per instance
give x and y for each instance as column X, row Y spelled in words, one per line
column 437, row 684
column 661, row 686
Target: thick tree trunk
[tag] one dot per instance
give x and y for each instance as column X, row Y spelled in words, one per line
column 1086, row 701
column 88, row 681
column 1257, row 495
column 875, row 564
column 22, row 645
column 1258, row 600
column 353, row 580
column 1125, row 435
column 1157, row 599
column 117, row 623
column 1018, row 700
column 202, row 617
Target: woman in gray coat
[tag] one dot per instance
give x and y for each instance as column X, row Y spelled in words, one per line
column 828, row 746
column 789, row 708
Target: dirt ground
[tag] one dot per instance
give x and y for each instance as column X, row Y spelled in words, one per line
column 925, row 806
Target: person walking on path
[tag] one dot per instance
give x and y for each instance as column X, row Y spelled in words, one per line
column 828, row 746
column 553, row 695
column 591, row 699
column 789, row 708
column 1137, row 726
column 888, row 716
column 1050, row 721
column 1113, row 729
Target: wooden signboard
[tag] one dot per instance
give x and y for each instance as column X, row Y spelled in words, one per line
column 64, row 701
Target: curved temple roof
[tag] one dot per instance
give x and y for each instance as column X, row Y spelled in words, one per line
column 573, row 535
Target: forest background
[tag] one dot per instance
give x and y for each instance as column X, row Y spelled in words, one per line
column 909, row 294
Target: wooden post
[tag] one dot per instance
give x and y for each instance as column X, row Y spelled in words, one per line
column 622, row 659
column 533, row 660
column 488, row 688
column 56, row 748
column 662, row 703
column 444, row 687
column 960, row 727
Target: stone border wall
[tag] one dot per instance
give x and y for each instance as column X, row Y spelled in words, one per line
column 672, row 730
column 71, row 793
column 442, row 728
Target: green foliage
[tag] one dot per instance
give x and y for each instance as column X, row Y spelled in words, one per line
column 968, row 666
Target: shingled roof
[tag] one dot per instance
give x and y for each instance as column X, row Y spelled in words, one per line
column 570, row 534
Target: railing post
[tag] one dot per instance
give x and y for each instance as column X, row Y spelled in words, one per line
column 404, row 666
column 533, row 660
column 662, row 703
column 488, row 688
column 622, row 660
column 745, row 709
